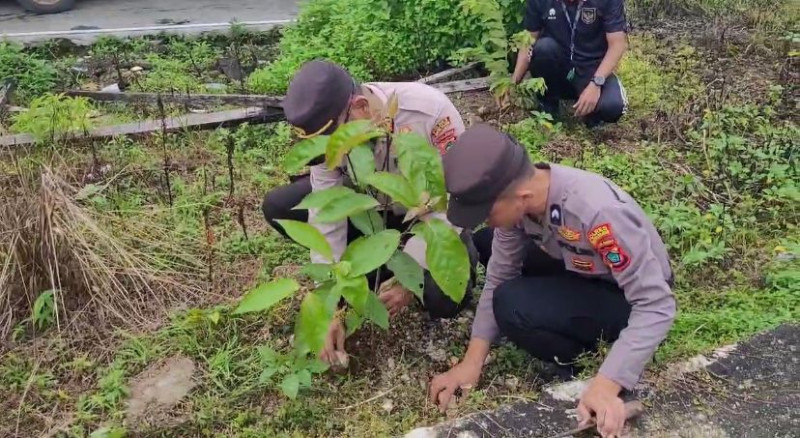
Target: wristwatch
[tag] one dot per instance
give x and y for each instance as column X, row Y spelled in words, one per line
column 599, row 81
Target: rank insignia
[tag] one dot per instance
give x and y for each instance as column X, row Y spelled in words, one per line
column 583, row 264
column 569, row 234
column 555, row 214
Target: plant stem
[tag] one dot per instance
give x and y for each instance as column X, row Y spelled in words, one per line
column 164, row 148
column 230, row 148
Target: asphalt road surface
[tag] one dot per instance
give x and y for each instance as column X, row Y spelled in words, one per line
column 93, row 18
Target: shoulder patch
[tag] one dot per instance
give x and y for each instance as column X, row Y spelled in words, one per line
column 599, row 233
column 443, row 134
column 615, row 257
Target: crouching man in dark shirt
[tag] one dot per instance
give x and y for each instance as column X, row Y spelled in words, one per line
column 578, row 46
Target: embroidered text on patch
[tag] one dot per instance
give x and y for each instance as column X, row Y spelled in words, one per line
column 582, row 264
column 569, row 234
column 598, row 234
column 443, row 133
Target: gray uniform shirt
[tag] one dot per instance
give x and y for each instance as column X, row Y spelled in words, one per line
column 599, row 231
column 421, row 109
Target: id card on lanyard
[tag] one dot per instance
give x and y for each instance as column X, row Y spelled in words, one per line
column 573, row 24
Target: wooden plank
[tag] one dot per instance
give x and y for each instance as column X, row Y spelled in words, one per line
column 181, row 99
column 447, row 73
column 463, row 85
column 268, row 113
column 178, row 123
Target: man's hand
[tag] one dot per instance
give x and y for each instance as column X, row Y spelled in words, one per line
column 601, row 401
column 588, row 100
column 464, row 375
column 334, row 344
column 396, row 298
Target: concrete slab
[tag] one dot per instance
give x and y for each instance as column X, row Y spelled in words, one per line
column 749, row 390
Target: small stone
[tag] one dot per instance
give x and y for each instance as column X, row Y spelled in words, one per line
column 342, row 359
column 512, row 382
column 390, row 363
column 482, row 111
column 489, row 359
column 405, row 378
column 113, row 88
column 136, row 69
column 453, row 361
column 387, row 405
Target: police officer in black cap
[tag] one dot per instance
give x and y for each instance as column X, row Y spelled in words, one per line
column 579, row 44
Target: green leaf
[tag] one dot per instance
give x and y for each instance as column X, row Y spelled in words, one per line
column 304, row 376
column 376, row 311
column 266, row 295
column 345, row 206
column 408, row 272
column 267, row 355
column 308, row 236
column 368, row 222
column 317, row 271
column 396, row 187
column 316, row 366
column 290, row 386
column 446, row 256
column 303, row 152
column 267, row 374
column 312, row 323
column 421, row 164
column 347, row 137
column 361, row 164
column 354, row 291
column 367, row 253
column 352, row 321
column 323, row 197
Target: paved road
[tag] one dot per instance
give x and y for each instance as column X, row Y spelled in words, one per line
column 92, row 18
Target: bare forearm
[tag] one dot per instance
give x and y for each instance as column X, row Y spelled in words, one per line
column 523, row 61
column 613, row 55
column 477, row 351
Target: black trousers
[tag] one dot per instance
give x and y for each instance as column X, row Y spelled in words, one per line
column 550, row 62
column 279, row 202
column 554, row 314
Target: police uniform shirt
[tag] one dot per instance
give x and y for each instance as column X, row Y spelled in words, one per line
column 599, row 231
column 596, row 19
column 421, row 109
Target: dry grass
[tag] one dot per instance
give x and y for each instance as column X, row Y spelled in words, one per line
column 108, row 267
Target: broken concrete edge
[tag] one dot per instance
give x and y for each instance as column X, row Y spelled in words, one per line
column 559, row 400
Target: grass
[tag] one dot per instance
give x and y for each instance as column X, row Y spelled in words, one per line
column 717, row 173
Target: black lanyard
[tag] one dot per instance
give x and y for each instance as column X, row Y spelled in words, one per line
column 573, row 24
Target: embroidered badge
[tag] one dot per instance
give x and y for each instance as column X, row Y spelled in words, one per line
column 615, row 258
column 443, row 134
column 555, row 214
column 405, row 129
column 598, row 234
column 589, row 15
column 569, row 234
column 551, row 14
column 583, row 264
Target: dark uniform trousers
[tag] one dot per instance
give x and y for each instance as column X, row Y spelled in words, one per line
column 278, row 205
column 550, row 62
column 551, row 312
